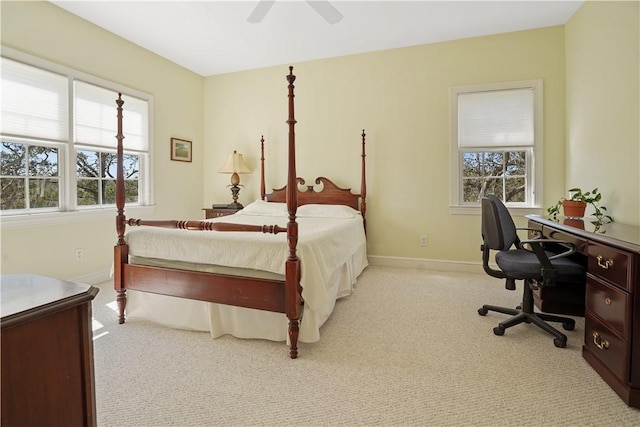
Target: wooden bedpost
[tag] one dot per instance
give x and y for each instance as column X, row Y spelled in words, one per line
column 262, row 185
column 292, row 265
column 363, row 184
column 121, row 250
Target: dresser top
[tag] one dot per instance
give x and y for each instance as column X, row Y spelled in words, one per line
column 20, row 293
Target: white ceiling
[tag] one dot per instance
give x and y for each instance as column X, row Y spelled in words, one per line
column 214, row 37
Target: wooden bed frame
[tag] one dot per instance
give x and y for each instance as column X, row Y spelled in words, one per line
column 281, row 296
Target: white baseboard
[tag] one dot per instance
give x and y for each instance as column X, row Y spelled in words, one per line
column 426, row 264
column 93, row 278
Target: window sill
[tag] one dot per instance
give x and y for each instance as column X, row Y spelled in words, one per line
column 515, row 211
column 61, row 218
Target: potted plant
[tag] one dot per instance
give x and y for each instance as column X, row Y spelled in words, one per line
column 575, row 205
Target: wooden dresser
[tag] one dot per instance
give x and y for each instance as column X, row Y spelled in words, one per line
column 47, row 352
column 612, row 315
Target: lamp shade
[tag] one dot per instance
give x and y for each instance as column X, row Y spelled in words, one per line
column 235, row 164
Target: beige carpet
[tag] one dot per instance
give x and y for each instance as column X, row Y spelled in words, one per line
column 407, row 348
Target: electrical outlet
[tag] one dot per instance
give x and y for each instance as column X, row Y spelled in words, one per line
column 79, row 254
column 424, row 241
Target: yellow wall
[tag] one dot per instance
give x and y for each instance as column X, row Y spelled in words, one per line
column 603, row 76
column 401, row 98
column 44, row 30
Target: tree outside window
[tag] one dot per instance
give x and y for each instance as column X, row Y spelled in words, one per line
column 96, row 177
column 29, row 175
column 501, row 173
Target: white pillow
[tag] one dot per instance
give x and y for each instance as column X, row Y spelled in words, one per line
column 260, row 207
column 326, row 211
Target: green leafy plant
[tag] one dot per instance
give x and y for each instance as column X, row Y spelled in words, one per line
column 591, row 198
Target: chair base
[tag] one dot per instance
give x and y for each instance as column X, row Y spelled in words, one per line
column 526, row 314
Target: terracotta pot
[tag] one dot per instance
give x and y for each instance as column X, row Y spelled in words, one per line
column 573, row 209
column 574, row 222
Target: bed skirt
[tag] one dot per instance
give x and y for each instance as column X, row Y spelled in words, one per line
column 219, row 319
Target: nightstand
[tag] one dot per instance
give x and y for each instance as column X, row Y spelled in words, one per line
column 217, row 211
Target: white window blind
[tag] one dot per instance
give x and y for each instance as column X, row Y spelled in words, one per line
column 96, row 122
column 500, row 118
column 24, row 86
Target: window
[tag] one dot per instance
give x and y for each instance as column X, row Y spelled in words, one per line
column 95, row 127
column 496, row 144
column 29, row 176
column 58, row 131
column 96, row 177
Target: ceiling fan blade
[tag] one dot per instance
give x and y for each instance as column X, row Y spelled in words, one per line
column 326, row 10
column 261, row 9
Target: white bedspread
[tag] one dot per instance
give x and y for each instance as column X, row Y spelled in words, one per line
column 331, row 247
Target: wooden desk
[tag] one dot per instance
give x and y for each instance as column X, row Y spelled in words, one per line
column 47, row 352
column 612, row 315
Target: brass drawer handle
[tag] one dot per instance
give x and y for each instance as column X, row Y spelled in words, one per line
column 606, row 264
column 599, row 342
column 607, row 301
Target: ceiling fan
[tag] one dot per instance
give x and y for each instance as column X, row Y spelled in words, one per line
column 322, row 7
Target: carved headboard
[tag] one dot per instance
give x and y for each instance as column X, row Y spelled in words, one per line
column 328, row 194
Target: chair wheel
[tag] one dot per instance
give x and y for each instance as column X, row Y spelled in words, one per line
column 482, row 311
column 569, row 326
column 560, row 343
column 498, row 330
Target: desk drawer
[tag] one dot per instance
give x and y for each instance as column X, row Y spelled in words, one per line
column 610, row 304
column 612, row 350
column 611, row 264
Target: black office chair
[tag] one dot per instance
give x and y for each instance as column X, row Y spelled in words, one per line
column 526, row 260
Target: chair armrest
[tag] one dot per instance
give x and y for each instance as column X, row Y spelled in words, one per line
column 549, row 272
column 571, row 247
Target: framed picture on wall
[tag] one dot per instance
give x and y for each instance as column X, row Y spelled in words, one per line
column 180, row 150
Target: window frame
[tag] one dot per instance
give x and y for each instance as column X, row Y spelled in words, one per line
column 30, row 142
column 69, row 210
column 534, row 158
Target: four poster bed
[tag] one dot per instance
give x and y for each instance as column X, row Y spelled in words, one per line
column 236, row 275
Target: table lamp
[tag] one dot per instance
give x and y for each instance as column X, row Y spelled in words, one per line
column 235, row 165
